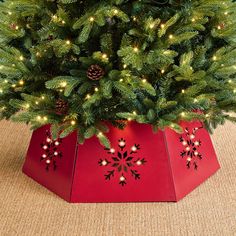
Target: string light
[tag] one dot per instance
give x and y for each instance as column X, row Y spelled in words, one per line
column 112, row 150
column 104, row 56
column 91, row 19
column 124, row 66
column 10, row 13
column 193, row 20
column 183, row 114
column 88, row 96
column 129, row 119
column 134, row 113
column 115, row 11
column 1, row 91
column 134, row 18
column 122, row 178
column 162, row 71
column 63, row 22
column 27, row 105
column 162, row 26
column 63, row 84
column 183, row 91
column 96, row 89
column 144, row 81
column 21, row 58
column 42, row 97
column 226, row 13
column 151, row 26
column 121, row 80
column 68, row 42
column 214, row 58
column 171, row 36
column 135, row 49
column 37, row 103
column 45, row 118
column 73, row 122
column 39, row 117
column 230, row 81
column 21, row 82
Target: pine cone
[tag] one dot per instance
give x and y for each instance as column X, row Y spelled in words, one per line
column 61, row 107
column 95, row 72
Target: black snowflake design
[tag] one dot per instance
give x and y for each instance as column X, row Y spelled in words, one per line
column 191, row 145
column 122, row 162
column 51, row 152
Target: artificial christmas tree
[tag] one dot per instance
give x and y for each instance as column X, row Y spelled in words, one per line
column 83, row 65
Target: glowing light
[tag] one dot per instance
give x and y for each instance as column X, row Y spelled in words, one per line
column 187, row 148
column 115, row 11
column 45, row 147
column 196, row 153
column 135, row 49
column 122, row 178
column 112, row 150
column 68, row 42
column 171, row 36
column 48, row 140
column 21, row 82
column 162, row 26
column 214, row 58
column 63, row 84
column 44, row 156
column 55, row 153
column 151, row 26
column 73, row 122
column 96, row 89
column 21, row 58
column 122, row 143
column 144, row 81
column 192, row 136
column 162, row 71
column 124, row 66
column 104, row 56
column 134, row 149
column 185, row 143
column 104, row 163
column 197, row 143
column 57, row 143
column 189, row 159
column 48, row 161
column 91, row 19
column 139, row 163
column 39, row 117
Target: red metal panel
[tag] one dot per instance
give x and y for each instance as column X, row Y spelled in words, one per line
column 141, row 166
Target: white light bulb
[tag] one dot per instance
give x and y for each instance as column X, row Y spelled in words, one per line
column 57, row 143
column 48, row 161
column 134, row 149
column 45, row 147
column 55, row 153
column 104, row 163
column 122, row 178
column 112, row 150
column 139, row 163
column 192, row 136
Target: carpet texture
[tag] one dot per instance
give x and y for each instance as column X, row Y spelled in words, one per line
column 26, row 208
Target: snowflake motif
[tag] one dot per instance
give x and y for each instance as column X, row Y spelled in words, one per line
column 122, row 162
column 51, row 152
column 191, row 146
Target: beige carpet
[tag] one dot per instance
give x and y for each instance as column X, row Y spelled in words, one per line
column 26, row 208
